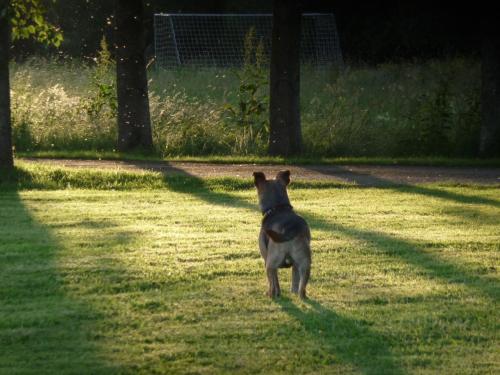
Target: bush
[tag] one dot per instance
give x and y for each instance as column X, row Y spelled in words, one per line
column 249, row 119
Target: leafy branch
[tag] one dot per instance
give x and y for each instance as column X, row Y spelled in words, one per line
column 28, row 21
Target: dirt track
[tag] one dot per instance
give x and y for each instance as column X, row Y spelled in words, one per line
column 362, row 175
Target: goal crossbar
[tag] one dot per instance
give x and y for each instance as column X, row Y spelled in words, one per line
column 217, row 39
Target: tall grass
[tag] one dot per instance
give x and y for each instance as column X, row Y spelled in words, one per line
column 413, row 109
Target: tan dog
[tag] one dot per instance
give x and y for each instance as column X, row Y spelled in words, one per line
column 284, row 238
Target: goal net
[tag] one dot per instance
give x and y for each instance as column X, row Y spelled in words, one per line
column 199, row 40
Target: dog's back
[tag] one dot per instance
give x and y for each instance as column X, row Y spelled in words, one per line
column 285, row 226
column 284, row 239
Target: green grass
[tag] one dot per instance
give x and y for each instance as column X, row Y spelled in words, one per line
column 392, row 110
column 256, row 159
column 146, row 274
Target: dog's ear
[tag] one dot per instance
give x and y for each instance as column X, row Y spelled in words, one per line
column 284, row 177
column 258, row 178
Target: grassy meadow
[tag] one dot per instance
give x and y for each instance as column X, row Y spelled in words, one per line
column 393, row 110
column 120, row 272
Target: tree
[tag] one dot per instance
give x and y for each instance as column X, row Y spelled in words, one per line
column 21, row 19
column 285, row 136
column 489, row 142
column 6, row 158
column 134, row 124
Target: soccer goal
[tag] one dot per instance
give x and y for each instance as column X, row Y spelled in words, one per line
column 199, row 40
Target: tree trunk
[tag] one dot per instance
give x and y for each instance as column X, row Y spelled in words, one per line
column 6, row 158
column 134, row 123
column 489, row 143
column 285, row 136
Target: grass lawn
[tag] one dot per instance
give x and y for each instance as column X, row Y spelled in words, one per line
column 166, row 278
column 255, row 159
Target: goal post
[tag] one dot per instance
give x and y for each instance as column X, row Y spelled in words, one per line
column 208, row 40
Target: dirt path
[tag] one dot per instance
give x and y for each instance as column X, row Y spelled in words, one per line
column 371, row 175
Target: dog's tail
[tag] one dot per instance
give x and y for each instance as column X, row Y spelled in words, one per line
column 279, row 237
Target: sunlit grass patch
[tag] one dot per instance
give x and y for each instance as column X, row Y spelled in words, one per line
column 41, row 176
column 166, row 277
column 258, row 160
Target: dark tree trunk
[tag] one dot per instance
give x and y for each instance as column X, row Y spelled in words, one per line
column 489, row 143
column 134, row 123
column 285, row 132
column 6, row 159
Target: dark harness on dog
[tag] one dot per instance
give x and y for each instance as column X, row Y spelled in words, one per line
column 271, row 211
column 267, row 214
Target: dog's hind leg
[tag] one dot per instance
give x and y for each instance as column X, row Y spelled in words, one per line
column 301, row 255
column 295, row 279
column 275, row 257
column 274, row 286
column 304, row 272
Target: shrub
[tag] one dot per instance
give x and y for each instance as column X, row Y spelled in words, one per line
column 249, row 118
column 102, row 99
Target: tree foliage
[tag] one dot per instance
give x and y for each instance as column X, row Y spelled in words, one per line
column 28, row 20
column 19, row 19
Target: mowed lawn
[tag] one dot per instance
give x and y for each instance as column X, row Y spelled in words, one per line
column 170, row 280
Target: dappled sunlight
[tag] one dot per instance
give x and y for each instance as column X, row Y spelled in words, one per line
column 139, row 233
column 424, row 239
column 172, row 278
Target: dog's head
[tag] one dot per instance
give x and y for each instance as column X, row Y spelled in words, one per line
column 272, row 192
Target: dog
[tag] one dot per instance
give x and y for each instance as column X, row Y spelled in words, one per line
column 284, row 238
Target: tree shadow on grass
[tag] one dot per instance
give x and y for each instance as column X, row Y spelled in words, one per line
column 349, row 340
column 364, row 350
column 369, row 180
column 413, row 253
column 180, row 180
column 344, row 339
column 183, row 182
column 42, row 329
